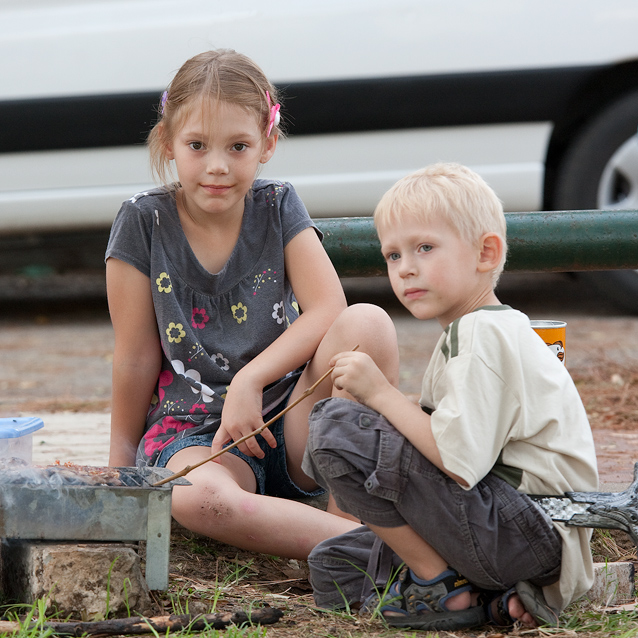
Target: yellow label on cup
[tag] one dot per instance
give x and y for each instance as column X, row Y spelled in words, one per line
column 553, row 334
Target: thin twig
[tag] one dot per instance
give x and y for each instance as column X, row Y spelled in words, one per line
column 306, row 393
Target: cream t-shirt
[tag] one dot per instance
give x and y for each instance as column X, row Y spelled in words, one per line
column 503, row 402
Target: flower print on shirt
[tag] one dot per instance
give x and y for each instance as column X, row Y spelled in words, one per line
column 155, row 439
column 164, row 283
column 138, row 196
column 265, row 276
column 165, row 379
column 278, row 312
column 197, row 351
column 220, row 360
column 271, row 196
column 193, row 378
column 198, row 407
column 175, row 332
column 199, row 318
column 240, row 312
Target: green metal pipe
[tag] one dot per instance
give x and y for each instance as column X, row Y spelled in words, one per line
column 558, row 241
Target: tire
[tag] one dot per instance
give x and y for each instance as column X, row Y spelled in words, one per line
column 600, row 171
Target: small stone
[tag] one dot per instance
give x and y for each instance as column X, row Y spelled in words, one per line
column 87, row 581
column 613, row 584
column 616, row 379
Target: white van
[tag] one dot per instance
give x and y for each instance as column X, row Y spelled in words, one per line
column 538, row 96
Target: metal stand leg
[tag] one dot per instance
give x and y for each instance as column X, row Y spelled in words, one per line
column 158, row 540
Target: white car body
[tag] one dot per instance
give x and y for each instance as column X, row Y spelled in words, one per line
column 55, row 54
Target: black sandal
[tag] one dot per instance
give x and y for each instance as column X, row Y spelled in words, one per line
column 421, row 604
column 532, row 599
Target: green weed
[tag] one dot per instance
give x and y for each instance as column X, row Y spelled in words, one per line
column 30, row 619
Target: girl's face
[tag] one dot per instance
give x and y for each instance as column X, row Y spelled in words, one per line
column 217, row 153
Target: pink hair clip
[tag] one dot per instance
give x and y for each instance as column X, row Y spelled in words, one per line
column 275, row 116
column 163, row 101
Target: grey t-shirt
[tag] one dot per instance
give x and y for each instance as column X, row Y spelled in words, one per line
column 210, row 325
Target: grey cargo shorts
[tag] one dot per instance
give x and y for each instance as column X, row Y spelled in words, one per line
column 492, row 534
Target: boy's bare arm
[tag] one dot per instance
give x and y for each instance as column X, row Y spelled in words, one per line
column 357, row 374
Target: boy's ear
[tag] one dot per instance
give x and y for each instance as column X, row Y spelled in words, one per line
column 491, row 252
column 269, row 148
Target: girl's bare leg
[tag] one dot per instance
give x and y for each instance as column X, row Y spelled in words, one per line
column 221, row 504
column 365, row 325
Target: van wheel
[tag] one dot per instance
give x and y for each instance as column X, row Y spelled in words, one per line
column 600, row 171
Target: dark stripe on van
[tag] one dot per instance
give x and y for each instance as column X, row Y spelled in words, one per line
column 310, row 108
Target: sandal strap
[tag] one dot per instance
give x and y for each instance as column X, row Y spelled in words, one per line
column 497, row 609
column 412, row 595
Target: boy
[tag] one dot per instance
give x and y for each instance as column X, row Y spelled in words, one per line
column 443, row 484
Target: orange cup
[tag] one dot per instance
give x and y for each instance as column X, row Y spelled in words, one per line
column 553, row 334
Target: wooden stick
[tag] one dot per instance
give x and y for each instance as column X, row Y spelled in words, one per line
column 306, row 393
column 158, row 624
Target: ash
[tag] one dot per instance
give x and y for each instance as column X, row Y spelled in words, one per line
column 15, row 471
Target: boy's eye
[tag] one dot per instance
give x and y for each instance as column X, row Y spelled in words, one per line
column 393, row 256
column 240, row 147
column 425, row 248
column 196, row 146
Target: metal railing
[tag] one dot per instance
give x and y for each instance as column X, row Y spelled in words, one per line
column 558, row 241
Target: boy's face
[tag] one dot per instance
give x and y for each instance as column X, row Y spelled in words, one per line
column 433, row 271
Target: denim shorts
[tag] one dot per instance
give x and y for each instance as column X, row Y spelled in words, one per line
column 271, row 472
column 492, row 534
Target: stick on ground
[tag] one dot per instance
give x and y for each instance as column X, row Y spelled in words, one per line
column 158, row 624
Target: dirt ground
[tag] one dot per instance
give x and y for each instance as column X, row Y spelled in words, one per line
column 55, row 349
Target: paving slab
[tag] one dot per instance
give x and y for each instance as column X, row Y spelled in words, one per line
column 75, row 437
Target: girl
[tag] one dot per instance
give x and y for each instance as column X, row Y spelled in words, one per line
column 206, row 281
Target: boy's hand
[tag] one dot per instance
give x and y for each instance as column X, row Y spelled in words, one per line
column 358, row 374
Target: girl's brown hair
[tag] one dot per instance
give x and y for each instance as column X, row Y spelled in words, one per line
column 222, row 75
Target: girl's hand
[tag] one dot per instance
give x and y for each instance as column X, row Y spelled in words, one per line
column 358, row 374
column 241, row 416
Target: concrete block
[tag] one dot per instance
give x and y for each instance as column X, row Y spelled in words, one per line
column 85, row 581
column 613, row 584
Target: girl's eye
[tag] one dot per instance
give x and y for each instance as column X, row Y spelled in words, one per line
column 240, row 147
column 196, row 146
column 393, row 256
column 425, row 248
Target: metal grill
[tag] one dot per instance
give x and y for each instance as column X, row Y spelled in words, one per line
column 54, row 510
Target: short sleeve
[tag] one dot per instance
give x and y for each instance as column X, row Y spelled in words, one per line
column 294, row 215
column 130, row 238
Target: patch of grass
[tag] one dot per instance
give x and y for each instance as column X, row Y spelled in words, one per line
column 30, row 620
column 224, row 579
column 594, row 622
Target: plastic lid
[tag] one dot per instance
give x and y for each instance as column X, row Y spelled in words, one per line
column 13, row 428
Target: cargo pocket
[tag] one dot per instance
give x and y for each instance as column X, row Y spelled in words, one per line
column 389, row 478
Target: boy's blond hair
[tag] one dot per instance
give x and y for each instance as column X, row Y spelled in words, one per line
column 451, row 192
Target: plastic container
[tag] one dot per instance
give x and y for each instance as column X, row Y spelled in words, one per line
column 16, row 437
